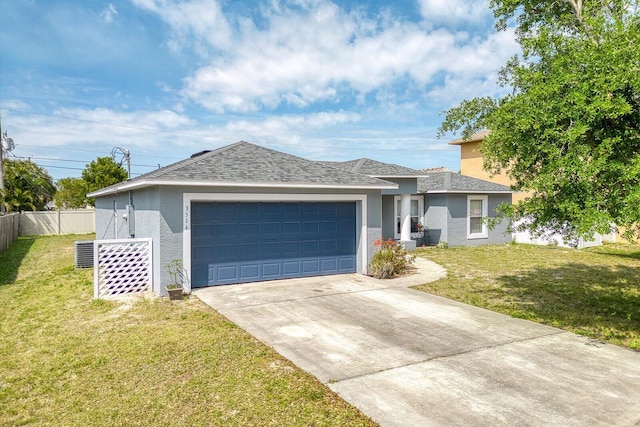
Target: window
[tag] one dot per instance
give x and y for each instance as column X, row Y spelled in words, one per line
column 417, row 210
column 476, row 214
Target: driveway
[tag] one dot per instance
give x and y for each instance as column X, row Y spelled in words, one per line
column 408, row 358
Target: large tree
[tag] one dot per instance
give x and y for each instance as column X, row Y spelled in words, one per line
column 568, row 131
column 71, row 194
column 27, row 186
column 102, row 172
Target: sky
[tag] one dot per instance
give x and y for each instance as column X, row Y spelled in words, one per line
column 163, row 79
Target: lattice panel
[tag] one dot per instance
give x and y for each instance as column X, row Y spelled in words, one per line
column 122, row 267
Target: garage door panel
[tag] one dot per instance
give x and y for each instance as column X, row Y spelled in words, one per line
column 270, row 210
column 310, row 209
column 250, row 271
column 226, row 230
column 311, row 266
column 348, row 263
column 291, row 268
column 226, row 273
column 249, row 230
column 328, row 247
column 249, row 210
column 266, row 241
column 271, row 249
column 329, row 227
column 271, row 230
column 311, row 248
column 290, row 210
column 291, row 229
column 346, row 246
column 271, row 269
column 251, row 251
column 310, row 228
column 291, row 249
column 329, row 265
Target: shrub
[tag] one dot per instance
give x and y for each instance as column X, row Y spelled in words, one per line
column 389, row 260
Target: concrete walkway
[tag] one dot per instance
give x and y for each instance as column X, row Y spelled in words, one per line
column 408, row 358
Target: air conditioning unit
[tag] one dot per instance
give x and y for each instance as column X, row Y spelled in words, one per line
column 84, row 254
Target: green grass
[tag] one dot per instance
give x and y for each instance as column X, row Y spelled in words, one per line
column 593, row 292
column 67, row 359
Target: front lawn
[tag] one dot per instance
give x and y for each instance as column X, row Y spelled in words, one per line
column 593, row 292
column 70, row 360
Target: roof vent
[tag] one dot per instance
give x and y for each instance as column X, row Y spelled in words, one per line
column 200, row 153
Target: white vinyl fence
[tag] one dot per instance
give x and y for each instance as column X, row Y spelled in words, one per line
column 57, row 222
column 122, row 267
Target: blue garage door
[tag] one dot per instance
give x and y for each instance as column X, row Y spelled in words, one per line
column 248, row 242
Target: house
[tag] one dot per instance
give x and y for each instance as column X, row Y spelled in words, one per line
column 456, row 207
column 450, row 206
column 245, row 213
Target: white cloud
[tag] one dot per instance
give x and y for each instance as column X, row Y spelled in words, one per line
column 282, row 127
column 97, row 128
column 454, row 11
column 317, row 52
column 109, row 13
column 193, row 22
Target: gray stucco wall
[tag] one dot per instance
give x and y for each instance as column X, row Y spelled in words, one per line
column 146, row 204
column 457, row 224
column 388, row 217
column 436, row 218
column 110, row 223
column 405, row 186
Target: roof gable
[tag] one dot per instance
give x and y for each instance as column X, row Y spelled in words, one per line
column 374, row 168
column 246, row 164
column 451, row 182
column 478, row 136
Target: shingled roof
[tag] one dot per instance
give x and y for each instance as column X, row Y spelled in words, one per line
column 374, row 168
column 247, row 165
column 451, row 182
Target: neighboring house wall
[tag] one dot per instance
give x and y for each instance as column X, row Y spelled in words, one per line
column 447, row 218
column 471, row 164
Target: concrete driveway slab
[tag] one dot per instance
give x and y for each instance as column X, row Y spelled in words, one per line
column 405, row 357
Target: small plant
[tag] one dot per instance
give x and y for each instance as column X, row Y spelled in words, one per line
column 442, row 245
column 389, row 260
column 176, row 272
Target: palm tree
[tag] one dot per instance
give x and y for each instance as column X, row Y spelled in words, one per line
column 18, row 200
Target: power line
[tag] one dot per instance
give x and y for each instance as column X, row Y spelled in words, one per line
column 84, row 151
column 74, row 161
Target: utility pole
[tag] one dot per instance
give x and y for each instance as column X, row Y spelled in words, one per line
column 126, row 156
column 1, row 167
column 1, row 152
column 4, row 140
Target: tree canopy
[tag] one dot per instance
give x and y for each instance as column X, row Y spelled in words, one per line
column 71, row 194
column 27, row 186
column 568, row 131
column 102, row 172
